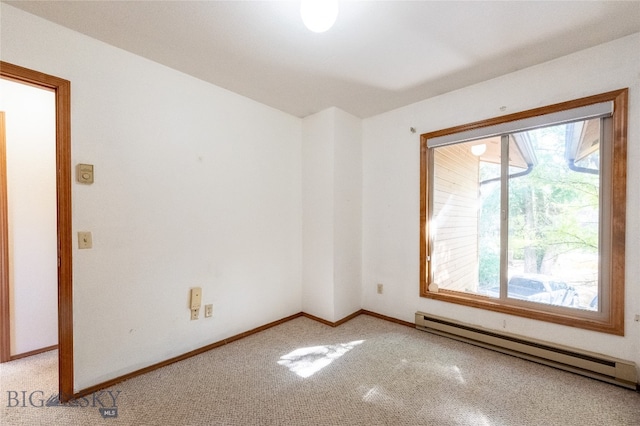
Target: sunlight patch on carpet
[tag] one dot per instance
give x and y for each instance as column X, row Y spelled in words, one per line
column 380, row 396
column 305, row 362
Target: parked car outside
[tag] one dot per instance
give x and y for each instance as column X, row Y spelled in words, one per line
column 540, row 289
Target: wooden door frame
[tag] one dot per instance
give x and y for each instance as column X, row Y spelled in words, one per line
column 62, row 89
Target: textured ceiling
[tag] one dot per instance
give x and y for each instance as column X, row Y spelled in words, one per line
column 378, row 56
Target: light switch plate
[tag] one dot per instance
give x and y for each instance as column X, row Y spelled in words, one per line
column 84, row 240
column 84, row 173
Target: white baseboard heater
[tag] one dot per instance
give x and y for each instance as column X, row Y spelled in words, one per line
column 600, row 367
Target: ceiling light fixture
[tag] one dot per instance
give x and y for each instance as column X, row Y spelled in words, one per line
column 479, row 149
column 319, row 15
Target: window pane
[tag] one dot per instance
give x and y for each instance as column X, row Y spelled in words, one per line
column 489, row 224
column 466, row 257
column 554, row 217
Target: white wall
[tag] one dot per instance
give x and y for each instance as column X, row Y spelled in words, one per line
column 317, row 208
column 332, row 204
column 31, row 196
column 194, row 186
column 391, row 187
column 347, row 215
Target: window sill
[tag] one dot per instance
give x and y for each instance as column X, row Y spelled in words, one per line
column 615, row 325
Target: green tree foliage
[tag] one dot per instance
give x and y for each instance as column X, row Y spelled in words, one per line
column 552, row 210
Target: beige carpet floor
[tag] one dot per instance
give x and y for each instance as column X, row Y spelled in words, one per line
column 365, row 372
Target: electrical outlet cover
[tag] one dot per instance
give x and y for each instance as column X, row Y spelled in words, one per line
column 195, row 314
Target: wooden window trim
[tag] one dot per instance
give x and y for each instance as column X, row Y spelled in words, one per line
column 613, row 323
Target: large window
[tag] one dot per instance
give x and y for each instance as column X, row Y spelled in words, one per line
column 525, row 213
